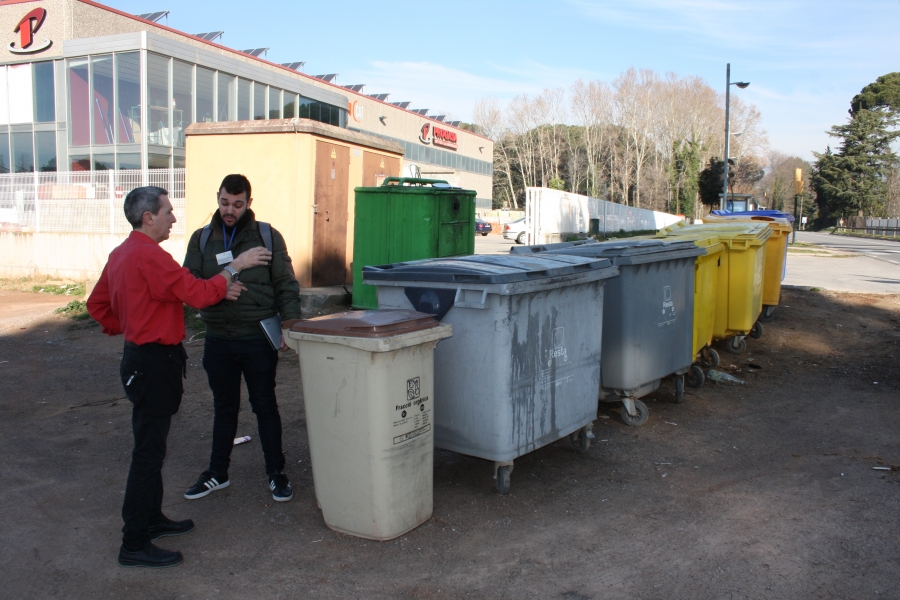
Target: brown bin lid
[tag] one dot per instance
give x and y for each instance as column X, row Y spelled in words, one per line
column 368, row 323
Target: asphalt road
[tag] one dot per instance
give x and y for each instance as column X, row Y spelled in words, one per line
column 492, row 244
column 884, row 250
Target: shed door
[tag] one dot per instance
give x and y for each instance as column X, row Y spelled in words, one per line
column 377, row 166
column 329, row 265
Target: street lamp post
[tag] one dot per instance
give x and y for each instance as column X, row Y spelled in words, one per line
column 728, row 84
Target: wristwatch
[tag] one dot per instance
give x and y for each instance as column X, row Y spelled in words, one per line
column 232, row 272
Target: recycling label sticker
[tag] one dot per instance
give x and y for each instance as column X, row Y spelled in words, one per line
column 668, row 308
column 412, row 416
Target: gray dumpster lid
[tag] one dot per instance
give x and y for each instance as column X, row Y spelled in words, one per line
column 627, row 252
column 489, row 269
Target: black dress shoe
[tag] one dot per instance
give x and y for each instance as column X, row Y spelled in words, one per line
column 169, row 527
column 149, row 556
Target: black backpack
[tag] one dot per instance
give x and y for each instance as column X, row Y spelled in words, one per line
column 265, row 231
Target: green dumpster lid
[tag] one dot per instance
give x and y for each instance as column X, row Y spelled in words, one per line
column 368, row 323
column 487, row 269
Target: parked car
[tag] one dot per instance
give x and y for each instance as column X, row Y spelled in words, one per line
column 482, row 227
column 515, row 230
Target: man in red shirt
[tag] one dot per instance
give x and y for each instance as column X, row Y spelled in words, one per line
column 141, row 294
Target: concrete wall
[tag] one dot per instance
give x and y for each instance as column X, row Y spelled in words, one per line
column 78, row 256
column 278, row 157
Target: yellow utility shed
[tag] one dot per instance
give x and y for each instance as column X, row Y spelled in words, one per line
column 303, row 174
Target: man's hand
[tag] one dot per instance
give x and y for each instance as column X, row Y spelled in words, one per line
column 233, row 292
column 253, row 257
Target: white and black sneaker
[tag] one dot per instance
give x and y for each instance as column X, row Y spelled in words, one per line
column 281, row 487
column 208, row 482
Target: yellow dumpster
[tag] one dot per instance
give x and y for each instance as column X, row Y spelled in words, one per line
column 776, row 255
column 740, row 286
column 706, row 282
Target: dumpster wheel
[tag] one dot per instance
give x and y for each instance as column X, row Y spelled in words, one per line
column 679, row 388
column 736, row 344
column 757, row 331
column 768, row 313
column 695, row 376
column 581, row 439
column 709, row 358
column 501, row 480
column 640, row 416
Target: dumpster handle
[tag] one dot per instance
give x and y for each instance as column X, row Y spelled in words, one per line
column 457, row 301
column 411, row 180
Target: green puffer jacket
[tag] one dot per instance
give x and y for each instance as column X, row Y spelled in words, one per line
column 240, row 319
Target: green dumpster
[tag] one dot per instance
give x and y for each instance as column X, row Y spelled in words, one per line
column 408, row 219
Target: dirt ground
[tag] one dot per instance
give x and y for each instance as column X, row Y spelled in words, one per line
column 760, row 491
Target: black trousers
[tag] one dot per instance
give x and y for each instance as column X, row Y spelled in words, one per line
column 152, row 375
column 225, row 361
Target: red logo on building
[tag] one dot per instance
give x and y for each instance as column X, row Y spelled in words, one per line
column 423, row 137
column 442, row 137
column 26, row 28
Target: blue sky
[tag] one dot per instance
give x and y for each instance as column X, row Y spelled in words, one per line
column 805, row 59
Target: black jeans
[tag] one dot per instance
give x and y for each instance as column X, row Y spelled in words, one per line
column 225, row 360
column 152, row 375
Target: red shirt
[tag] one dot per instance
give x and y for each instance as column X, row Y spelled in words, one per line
column 141, row 292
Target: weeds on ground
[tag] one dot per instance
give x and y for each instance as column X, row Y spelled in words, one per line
column 76, row 310
column 69, row 289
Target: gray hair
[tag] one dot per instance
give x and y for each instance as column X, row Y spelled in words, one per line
column 141, row 200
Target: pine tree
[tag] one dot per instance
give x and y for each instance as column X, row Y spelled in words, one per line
column 853, row 180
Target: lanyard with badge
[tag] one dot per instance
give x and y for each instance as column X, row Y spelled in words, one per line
column 224, row 258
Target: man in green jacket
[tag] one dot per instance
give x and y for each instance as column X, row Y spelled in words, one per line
column 235, row 341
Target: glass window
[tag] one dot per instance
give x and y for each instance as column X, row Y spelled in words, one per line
column 177, row 162
column 304, row 106
column 44, row 93
column 4, row 99
column 128, row 160
column 4, row 153
column 243, row 104
column 290, row 105
column 158, row 161
column 205, row 90
column 22, row 153
column 45, row 148
column 102, row 98
column 159, row 99
column 79, row 103
column 259, row 101
column 80, row 162
column 225, row 97
column 182, row 99
column 128, row 79
column 21, row 101
column 274, row 103
column 104, row 162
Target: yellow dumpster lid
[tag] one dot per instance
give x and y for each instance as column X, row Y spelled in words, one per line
column 734, row 233
column 776, row 223
column 708, row 240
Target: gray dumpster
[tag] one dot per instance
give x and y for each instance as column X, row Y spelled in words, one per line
column 648, row 319
column 522, row 369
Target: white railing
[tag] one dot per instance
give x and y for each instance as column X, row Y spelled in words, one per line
column 81, row 201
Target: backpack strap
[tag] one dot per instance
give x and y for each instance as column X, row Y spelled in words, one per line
column 265, row 231
column 204, row 237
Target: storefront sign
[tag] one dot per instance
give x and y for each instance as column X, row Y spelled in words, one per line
column 26, row 28
column 355, row 109
column 442, row 137
column 437, row 136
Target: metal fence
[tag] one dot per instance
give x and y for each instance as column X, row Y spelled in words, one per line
column 81, row 201
column 871, row 225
